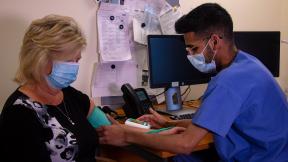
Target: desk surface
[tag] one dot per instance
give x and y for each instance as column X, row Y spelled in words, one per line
column 122, row 155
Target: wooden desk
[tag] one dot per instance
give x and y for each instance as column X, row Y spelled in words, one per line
column 122, row 154
column 205, row 143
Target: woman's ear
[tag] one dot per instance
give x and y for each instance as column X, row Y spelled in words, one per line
column 48, row 67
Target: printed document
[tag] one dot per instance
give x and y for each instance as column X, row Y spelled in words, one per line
column 109, row 77
column 113, row 33
column 167, row 18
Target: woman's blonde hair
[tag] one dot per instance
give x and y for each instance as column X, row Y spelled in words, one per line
column 42, row 43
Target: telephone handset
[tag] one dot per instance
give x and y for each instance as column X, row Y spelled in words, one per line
column 137, row 101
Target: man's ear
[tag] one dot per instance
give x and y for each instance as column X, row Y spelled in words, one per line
column 215, row 42
column 212, row 44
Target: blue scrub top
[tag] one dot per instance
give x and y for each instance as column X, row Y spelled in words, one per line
column 247, row 112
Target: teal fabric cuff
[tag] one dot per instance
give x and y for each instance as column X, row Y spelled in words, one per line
column 98, row 118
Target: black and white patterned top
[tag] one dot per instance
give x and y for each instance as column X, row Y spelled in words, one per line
column 35, row 132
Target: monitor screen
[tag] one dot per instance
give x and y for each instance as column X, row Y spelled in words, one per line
column 169, row 66
column 168, row 63
column 263, row 45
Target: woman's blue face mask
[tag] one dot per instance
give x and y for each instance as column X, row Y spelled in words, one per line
column 63, row 74
column 198, row 61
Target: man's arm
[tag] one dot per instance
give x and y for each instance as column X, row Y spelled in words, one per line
column 177, row 143
column 179, row 123
column 158, row 121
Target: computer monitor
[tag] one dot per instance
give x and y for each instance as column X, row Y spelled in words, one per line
column 169, row 66
column 265, row 45
column 168, row 63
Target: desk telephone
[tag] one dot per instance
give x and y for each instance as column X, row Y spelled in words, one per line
column 137, row 101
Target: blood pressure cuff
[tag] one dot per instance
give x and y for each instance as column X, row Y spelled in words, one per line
column 98, row 118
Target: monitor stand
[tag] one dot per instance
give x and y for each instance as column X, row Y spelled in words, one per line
column 173, row 99
column 174, row 102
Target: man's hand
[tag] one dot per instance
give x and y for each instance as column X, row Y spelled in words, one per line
column 175, row 130
column 154, row 119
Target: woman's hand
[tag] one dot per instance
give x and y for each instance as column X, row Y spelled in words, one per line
column 154, row 119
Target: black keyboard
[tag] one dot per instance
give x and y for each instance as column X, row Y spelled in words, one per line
column 178, row 115
column 182, row 116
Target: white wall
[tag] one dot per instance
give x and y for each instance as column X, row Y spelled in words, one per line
column 16, row 15
column 284, row 47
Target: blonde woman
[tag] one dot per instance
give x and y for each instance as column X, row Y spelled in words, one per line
column 45, row 119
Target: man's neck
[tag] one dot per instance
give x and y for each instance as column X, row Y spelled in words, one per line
column 227, row 57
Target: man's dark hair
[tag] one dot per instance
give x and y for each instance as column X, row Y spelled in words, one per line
column 206, row 19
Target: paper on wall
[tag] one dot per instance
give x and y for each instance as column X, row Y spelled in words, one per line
column 108, row 1
column 109, row 77
column 113, row 32
column 141, row 32
column 167, row 18
column 145, row 25
column 138, row 32
column 135, row 7
column 173, row 2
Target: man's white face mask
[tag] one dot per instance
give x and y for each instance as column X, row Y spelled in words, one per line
column 198, row 61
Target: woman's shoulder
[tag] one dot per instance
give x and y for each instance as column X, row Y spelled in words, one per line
column 15, row 97
column 18, row 108
column 71, row 92
column 76, row 98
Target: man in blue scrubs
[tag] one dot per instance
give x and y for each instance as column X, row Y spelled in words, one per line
column 243, row 106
